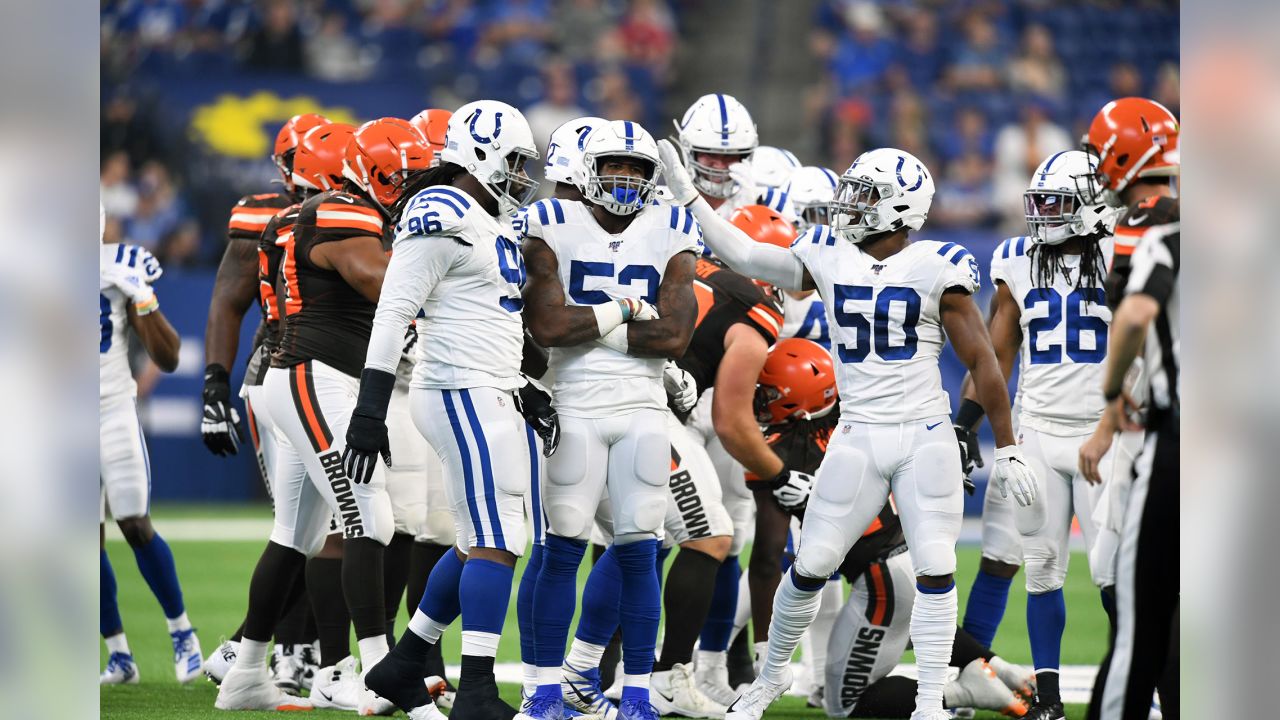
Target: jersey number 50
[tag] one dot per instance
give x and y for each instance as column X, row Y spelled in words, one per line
column 862, row 327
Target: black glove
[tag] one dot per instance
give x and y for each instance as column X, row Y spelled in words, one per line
column 535, row 406
column 970, row 455
column 367, row 432
column 220, row 428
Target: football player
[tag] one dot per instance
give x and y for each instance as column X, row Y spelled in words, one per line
column 455, row 262
column 796, row 398
column 1050, row 311
column 889, row 301
column 236, row 286
column 771, row 171
column 330, row 277
column 718, row 139
column 624, row 266
column 127, row 302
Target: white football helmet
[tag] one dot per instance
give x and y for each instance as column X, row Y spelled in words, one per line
column 772, row 167
column 884, row 190
column 619, row 194
column 811, row 191
column 1055, row 201
column 493, row 142
column 564, row 151
column 716, row 124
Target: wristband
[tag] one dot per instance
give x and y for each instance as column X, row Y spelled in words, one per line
column 148, row 306
column 375, row 393
column 1110, row 395
column 608, row 316
column 969, row 414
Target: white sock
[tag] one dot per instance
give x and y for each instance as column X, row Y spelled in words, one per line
column 372, row 650
column 479, row 644
column 252, row 654
column 793, row 611
column 424, row 627
column 584, row 655
column 528, row 678
column 711, row 659
column 179, row 623
column 933, row 631
column 820, row 631
column 635, row 681
column 118, row 643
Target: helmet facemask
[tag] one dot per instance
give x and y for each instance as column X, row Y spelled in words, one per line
column 855, row 210
column 512, row 187
column 810, row 214
column 1052, row 215
column 620, row 194
column 714, row 181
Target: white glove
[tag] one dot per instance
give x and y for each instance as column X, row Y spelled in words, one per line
column 740, row 172
column 133, row 284
column 677, row 177
column 794, row 493
column 1013, row 473
column 639, row 310
column 680, row 387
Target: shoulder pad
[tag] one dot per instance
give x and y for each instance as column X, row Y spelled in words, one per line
column 549, row 211
column 346, row 213
column 815, row 235
column 250, row 215
column 775, row 198
column 954, row 253
column 1010, row 248
column 438, row 210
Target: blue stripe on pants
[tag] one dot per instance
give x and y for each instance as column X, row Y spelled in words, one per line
column 535, row 489
column 486, row 470
column 474, row 511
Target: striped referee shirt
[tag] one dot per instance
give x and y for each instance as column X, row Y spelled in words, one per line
column 1155, row 273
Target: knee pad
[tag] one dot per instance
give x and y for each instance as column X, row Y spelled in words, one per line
column 1044, row 570
column 820, row 551
column 567, row 519
column 936, row 558
column 643, row 508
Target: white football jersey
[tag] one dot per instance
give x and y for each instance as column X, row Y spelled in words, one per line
column 1064, row 339
column 114, row 376
column 596, row 267
column 805, row 318
column 463, row 269
column 886, row 329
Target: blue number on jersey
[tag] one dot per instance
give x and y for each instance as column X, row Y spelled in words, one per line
column 580, row 270
column 859, row 323
column 815, row 321
column 511, row 266
column 1076, row 324
column 104, row 319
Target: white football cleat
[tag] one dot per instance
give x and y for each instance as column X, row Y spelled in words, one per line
column 121, row 670
column 673, row 692
column 246, row 688
column 1022, row 681
column 427, row 712
column 752, row 703
column 188, row 660
column 288, row 667
column 937, row 714
column 219, row 662
column 310, row 659
column 337, row 686
column 371, row 703
column 978, row 687
column 711, row 676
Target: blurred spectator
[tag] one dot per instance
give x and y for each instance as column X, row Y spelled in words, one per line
column 454, row 25
column 580, row 25
column 919, row 53
column 1037, row 70
column 965, row 198
column 332, row 54
column 979, row 61
column 1019, row 150
column 276, row 44
column 519, row 29
column 180, row 248
column 1167, row 89
column 125, row 128
column 1123, row 80
column 159, row 209
column 613, row 97
column 119, row 198
column 967, row 134
column 648, row 35
column 861, row 56
column 559, row 104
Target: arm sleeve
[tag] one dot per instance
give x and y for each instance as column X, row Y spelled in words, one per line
column 417, row 264
column 770, row 263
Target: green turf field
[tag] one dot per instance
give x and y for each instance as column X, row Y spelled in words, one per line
column 215, row 578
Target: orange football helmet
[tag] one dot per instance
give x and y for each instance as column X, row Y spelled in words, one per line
column 798, row 381
column 382, row 155
column 1132, row 137
column 317, row 165
column 764, row 224
column 287, row 142
column 432, row 124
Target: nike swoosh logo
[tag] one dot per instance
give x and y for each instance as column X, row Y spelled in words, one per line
column 668, row 698
column 930, row 427
column 325, row 695
column 1133, row 221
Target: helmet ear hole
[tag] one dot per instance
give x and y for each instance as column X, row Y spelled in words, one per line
column 480, row 155
column 1122, row 160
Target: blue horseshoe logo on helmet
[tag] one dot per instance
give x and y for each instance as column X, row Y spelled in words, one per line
column 497, row 127
column 919, row 180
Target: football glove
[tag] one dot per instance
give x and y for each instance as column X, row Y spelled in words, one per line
column 220, row 427
column 791, row 488
column 1013, row 474
column 534, row 404
column 675, row 174
column 367, row 432
column 680, row 387
column 740, row 173
column 637, row 310
column 970, row 455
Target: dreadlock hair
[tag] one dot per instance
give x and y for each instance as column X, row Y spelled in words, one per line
column 1050, row 261
column 442, row 174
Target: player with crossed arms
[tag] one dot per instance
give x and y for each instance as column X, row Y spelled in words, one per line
column 889, row 301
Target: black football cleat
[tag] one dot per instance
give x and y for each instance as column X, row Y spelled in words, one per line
column 1045, row 711
column 398, row 680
